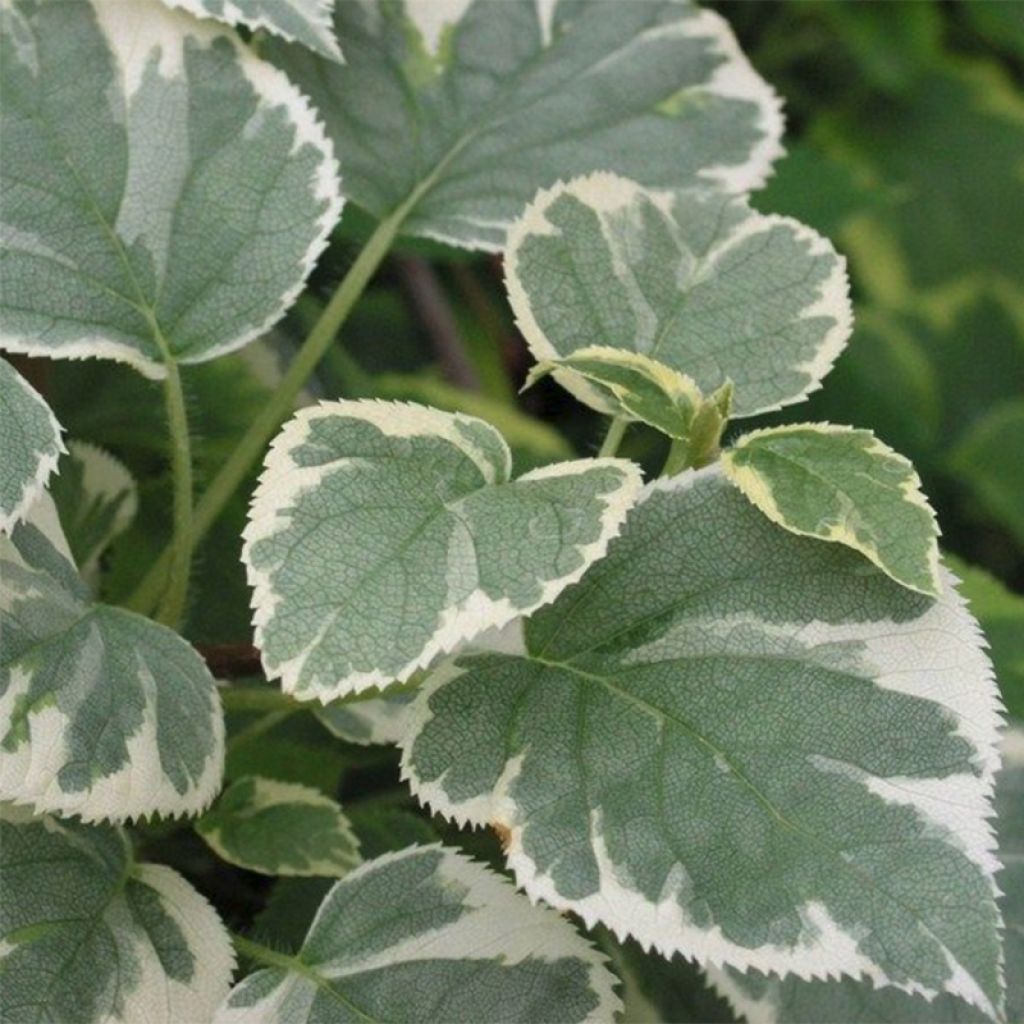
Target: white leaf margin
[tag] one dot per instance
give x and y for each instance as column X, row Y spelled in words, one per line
column 319, row 18
column 832, row 954
column 47, row 459
column 606, row 193
column 282, row 482
column 133, row 31
column 527, row 930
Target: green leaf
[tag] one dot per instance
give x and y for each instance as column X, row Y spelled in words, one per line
column 97, row 499
column 764, row 1000
column 1001, row 615
column 302, row 21
column 842, row 485
column 639, row 388
column 279, row 828
column 465, row 109
column 30, row 441
column 166, row 193
column 695, row 279
column 90, row 935
column 428, row 935
column 367, row 722
column 103, row 713
column 383, row 534
column 988, row 459
column 741, row 745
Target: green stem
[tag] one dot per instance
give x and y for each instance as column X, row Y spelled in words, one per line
column 262, row 725
column 175, row 593
column 612, row 440
column 255, row 698
column 678, row 458
column 281, row 402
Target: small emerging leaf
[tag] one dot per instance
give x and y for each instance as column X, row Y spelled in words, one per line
column 367, row 722
column 90, row 935
column 103, row 713
column 639, row 387
column 30, row 442
column 427, row 935
column 168, row 203
column 844, row 485
column 740, row 745
column 302, row 21
column 383, row 534
column 693, row 278
column 280, row 828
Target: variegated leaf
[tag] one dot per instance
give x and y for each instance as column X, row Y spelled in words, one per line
column 843, row 485
column 428, row 935
column 97, row 499
column 370, row 721
column 91, row 935
column 769, row 1000
column 280, row 828
column 738, row 744
column 692, row 278
column 169, row 203
column 308, row 22
column 458, row 111
column 30, row 443
column 103, row 713
column 383, row 534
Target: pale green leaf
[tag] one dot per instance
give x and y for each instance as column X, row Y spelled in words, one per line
column 639, row 388
column 89, row 935
column 97, row 499
column 428, row 935
column 464, row 109
column 693, row 278
column 103, row 713
column 764, row 1000
column 166, row 193
column 308, row 22
column 383, row 534
column 366, row 722
column 280, row 828
column 30, row 442
column 842, row 485
column 741, row 745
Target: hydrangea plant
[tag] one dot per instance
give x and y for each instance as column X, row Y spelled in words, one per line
column 735, row 714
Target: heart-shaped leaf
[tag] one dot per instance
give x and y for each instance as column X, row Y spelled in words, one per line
column 383, row 534
column 31, row 445
column 458, row 112
column 90, row 935
column 308, row 22
column 167, row 202
column 280, row 828
column 692, row 278
column 742, row 745
column 428, row 935
column 103, row 713
column 843, row 485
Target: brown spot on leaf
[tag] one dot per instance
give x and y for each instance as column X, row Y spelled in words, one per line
column 504, row 834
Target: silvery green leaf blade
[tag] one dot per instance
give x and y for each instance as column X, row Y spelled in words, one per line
column 464, row 109
column 97, row 499
column 31, row 445
column 280, row 828
column 779, row 757
column 638, row 387
column 370, row 721
column 91, row 935
column 693, row 278
column 165, row 192
column 103, row 713
column 308, row 22
column 769, row 1000
column 843, row 485
column 428, row 935
column 383, row 534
